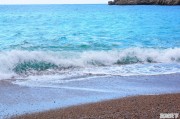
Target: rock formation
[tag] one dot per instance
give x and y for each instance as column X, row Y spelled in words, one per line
column 144, row 2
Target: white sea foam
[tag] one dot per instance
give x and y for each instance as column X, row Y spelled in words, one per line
column 88, row 73
column 78, row 64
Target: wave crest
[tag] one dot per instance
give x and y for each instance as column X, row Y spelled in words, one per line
column 18, row 62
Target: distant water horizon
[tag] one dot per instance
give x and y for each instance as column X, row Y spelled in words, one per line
column 69, row 42
column 53, row 4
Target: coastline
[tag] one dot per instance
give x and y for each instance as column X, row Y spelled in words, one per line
column 58, row 57
column 18, row 100
column 142, row 2
column 143, row 106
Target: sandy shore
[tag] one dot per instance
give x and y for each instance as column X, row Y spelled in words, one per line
column 144, row 107
column 18, row 98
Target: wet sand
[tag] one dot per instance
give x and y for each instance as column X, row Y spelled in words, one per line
column 16, row 99
column 138, row 107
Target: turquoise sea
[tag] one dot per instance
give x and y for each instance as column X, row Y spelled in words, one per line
column 62, row 43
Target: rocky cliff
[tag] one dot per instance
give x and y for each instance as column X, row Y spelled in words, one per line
column 144, row 2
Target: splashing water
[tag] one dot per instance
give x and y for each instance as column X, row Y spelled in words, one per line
column 61, row 43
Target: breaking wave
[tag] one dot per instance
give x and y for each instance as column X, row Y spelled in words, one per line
column 17, row 62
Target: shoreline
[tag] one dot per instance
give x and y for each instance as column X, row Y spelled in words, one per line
column 143, row 106
column 17, row 100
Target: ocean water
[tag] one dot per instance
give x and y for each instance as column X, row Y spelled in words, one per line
column 61, row 43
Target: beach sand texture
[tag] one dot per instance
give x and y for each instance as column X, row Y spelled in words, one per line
column 18, row 99
column 138, row 107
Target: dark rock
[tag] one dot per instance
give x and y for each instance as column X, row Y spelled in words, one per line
column 144, row 2
column 111, row 2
